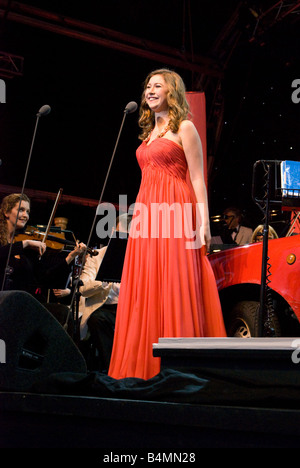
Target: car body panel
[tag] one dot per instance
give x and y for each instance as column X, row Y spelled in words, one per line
column 243, row 265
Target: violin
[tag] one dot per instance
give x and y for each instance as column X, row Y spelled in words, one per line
column 55, row 241
column 52, row 241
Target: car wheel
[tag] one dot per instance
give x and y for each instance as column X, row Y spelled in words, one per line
column 243, row 320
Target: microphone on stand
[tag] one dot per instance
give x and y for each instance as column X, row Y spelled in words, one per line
column 129, row 109
column 44, row 110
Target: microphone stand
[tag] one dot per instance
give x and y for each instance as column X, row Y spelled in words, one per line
column 44, row 110
column 131, row 107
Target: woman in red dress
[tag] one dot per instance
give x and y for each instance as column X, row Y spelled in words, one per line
column 168, row 288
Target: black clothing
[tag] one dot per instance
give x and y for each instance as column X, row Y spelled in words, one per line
column 29, row 272
column 34, row 274
column 101, row 324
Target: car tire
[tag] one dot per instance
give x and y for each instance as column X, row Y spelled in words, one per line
column 243, row 320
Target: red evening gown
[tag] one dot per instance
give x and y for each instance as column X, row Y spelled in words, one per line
column 167, row 289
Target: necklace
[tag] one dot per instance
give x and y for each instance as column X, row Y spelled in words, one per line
column 159, row 135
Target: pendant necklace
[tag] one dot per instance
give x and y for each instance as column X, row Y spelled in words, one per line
column 159, row 135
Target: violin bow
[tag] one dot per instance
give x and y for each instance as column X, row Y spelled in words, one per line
column 58, row 197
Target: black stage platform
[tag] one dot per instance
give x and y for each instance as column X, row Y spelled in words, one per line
column 260, row 361
column 62, row 421
column 223, row 393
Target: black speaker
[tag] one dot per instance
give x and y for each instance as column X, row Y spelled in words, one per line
column 33, row 343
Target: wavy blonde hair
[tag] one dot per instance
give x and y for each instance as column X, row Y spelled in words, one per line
column 260, row 229
column 178, row 105
column 8, row 203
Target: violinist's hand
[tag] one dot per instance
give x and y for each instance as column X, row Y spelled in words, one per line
column 38, row 246
column 61, row 292
column 78, row 250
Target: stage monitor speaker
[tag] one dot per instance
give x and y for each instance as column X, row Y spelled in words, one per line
column 34, row 344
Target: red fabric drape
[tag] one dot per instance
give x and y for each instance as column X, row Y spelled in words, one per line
column 197, row 104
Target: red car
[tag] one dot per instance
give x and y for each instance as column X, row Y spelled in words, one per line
column 238, row 275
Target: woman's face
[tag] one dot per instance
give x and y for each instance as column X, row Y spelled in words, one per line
column 11, row 216
column 156, row 93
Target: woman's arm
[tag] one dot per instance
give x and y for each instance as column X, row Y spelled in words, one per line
column 192, row 147
column 38, row 246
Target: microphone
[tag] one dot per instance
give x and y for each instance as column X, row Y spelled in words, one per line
column 44, row 110
column 131, row 107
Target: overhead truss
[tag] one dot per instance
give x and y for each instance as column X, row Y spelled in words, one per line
column 84, row 31
column 264, row 20
column 10, row 65
column 209, row 70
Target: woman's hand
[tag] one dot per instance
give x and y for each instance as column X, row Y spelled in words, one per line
column 78, row 250
column 38, row 246
column 61, row 292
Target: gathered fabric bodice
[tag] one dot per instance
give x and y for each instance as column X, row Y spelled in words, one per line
column 162, row 154
column 164, row 173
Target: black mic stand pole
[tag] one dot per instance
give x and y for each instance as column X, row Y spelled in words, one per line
column 131, row 107
column 44, row 110
column 76, row 283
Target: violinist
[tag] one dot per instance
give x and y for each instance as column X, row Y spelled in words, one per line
column 29, row 269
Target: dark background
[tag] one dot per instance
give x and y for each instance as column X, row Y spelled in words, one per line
column 254, row 48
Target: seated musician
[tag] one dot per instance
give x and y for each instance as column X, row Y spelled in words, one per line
column 29, row 268
column 236, row 232
column 258, row 233
column 99, row 305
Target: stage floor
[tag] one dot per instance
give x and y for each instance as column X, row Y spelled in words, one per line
column 223, row 393
column 62, row 421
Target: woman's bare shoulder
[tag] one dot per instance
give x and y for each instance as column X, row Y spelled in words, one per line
column 187, row 128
